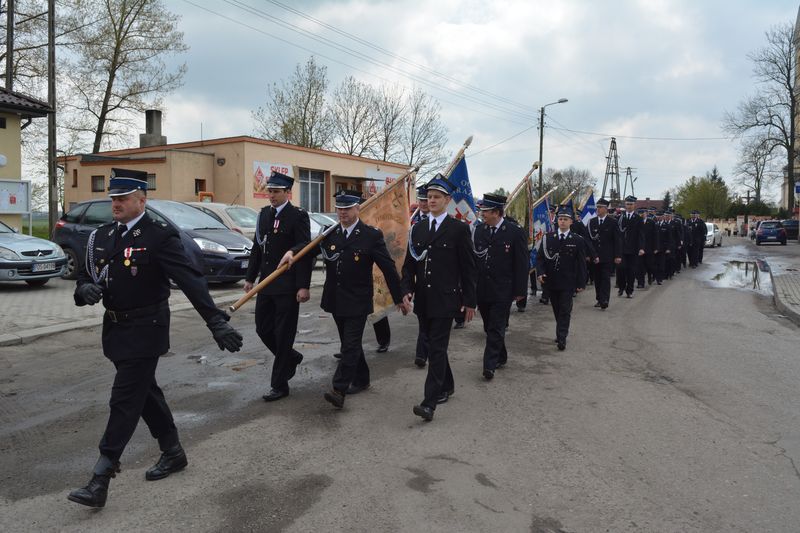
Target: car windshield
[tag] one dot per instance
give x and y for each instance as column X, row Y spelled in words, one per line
column 322, row 220
column 770, row 225
column 185, row 216
column 243, row 216
column 5, row 229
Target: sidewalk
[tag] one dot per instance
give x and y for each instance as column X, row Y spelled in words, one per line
column 28, row 313
column 786, row 288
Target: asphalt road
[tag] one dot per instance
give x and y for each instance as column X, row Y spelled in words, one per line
column 674, row 411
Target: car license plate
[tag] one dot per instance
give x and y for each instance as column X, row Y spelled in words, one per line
column 44, row 267
column 772, row 237
column 245, row 262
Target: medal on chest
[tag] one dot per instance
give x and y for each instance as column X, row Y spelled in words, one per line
column 275, row 226
column 127, row 254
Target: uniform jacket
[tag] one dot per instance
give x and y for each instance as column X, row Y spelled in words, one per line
column 632, row 234
column 565, row 270
column 697, row 231
column 651, row 235
column 348, row 286
column 289, row 231
column 444, row 277
column 155, row 255
column 666, row 239
column 502, row 262
column 607, row 238
column 580, row 228
column 677, row 232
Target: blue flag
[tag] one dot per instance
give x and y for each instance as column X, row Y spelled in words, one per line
column 589, row 210
column 462, row 203
column 541, row 224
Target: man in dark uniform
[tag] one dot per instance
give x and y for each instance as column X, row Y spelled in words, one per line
column 281, row 228
column 647, row 262
column 421, row 354
column 349, row 253
column 579, row 228
column 502, row 257
column 665, row 247
column 697, row 230
column 563, row 256
column 545, row 299
column 129, row 263
column 439, row 273
column 630, row 225
column 604, row 232
column 680, row 242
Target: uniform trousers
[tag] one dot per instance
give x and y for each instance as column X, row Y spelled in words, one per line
column 629, row 266
column 440, row 377
column 562, row 310
column 495, row 319
column 383, row 333
column 662, row 260
column 352, row 367
column 135, row 394
column 276, row 325
column 602, row 281
column 693, row 255
column 647, row 265
column 422, row 342
column 700, row 248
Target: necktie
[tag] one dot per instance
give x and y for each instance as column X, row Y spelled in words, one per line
column 561, row 236
column 121, row 228
column 493, row 230
column 433, row 225
column 346, row 235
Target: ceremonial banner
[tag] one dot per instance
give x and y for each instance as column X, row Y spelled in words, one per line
column 541, row 223
column 462, row 203
column 589, row 210
column 389, row 212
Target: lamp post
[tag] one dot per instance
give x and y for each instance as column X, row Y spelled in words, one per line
column 541, row 139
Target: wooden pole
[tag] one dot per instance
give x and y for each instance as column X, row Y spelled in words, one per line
column 10, row 45
column 311, row 245
column 52, row 164
column 518, row 189
column 540, row 200
column 586, row 199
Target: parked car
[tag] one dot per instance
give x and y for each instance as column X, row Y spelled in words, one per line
column 29, row 259
column 713, row 235
column 222, row 254
column 236, row 217
column 771, row 231
column 319, row 221
column 791, row 225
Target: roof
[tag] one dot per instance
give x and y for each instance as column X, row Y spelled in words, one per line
column 24, row 105
column 647, row 202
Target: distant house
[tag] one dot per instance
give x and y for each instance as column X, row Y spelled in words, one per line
column 16, row 113
column 647, row 203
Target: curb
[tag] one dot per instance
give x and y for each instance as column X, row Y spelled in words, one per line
column 778, row 298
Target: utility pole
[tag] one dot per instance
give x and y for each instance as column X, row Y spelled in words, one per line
column 10, row 45
column 541, row 146
column 747, row 210
column 52, row 169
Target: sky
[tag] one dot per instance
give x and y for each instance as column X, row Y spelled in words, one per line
column 634, row 68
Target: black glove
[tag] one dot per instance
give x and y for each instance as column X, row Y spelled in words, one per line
column 227, row 338
column 91, row 293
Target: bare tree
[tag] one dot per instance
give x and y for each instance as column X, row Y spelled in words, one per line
column 567, row 180
column 424, row 135
column 390, row 114
column 354, row 120
column 770, row 112
column 117, row 66
column 755, row 167
column 295, row 111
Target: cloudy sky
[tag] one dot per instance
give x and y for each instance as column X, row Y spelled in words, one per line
column 636, row 68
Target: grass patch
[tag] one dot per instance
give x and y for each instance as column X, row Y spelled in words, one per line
column 40, row 228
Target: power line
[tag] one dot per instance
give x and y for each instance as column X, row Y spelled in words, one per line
column 472, row 155
column 609, row 135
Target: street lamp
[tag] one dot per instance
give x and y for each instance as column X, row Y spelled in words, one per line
column 541, row 139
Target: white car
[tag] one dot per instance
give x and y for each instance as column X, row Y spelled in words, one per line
column 239, row 218
column 713, row 235
column 29, row 259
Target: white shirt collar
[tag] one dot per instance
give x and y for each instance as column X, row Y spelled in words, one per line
column 601, row 219
column 500, row 223
column 133, row 222
column 349, row 229
column 278, row 209
column 564, row 233
column 438, row 219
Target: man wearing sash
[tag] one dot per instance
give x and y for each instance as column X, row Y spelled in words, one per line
column 129, row 265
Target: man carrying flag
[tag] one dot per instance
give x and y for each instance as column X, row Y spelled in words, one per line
column 541, row 224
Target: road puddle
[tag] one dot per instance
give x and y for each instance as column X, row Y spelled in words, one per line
column 750, row 275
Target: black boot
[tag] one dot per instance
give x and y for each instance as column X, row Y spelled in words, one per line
column 95, row 493
column 171, row 461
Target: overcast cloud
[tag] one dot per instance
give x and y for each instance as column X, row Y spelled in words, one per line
column 630, row 68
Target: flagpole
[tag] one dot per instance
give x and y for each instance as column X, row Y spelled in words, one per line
column 518, row 188
column 586, row 199
column 565, row 200
column 311, row 245
column 542, row 199
column 450, row 168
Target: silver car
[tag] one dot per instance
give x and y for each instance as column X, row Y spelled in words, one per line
column 29, row 259
column 713, row 235
column 239, row 218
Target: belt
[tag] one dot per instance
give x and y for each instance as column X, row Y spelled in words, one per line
column 128, row 314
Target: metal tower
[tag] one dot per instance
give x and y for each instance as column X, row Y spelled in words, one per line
column 612, row 173
column 629, row 179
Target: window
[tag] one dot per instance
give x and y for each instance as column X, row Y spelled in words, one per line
column 74, row 213
column 199, row 186
column 98, row 213
column 312, row 190
column 98, row 183
column 3, row 123
column 74, row 177
column 151, row 182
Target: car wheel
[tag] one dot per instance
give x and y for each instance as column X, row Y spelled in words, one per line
column 71, row 268
column 783, row 243
column 36, row 282
column 758, row 243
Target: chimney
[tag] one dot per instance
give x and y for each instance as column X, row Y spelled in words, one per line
column 152, row 135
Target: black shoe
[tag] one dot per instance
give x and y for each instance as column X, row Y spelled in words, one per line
column 383, row 348
column 488, row 374
column 335, row 398
column 640, row 285
column 95, row 493
column 619, row 293
column 501, row 364
column 426, row 413
column 338, row 355
column 562, row 346
column 274, row 395
column 604, row 306
column 171, row 461
column 355, row 389
column 520, row 309
column 443, row 397
column 297, row 358
column 544, row 301
column 459, row 325
column 658, row 283
column 420, row 362
column 630, row 295
column 598, row 304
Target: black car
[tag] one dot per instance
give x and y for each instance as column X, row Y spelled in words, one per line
column 790, row 225
column 222, row 254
